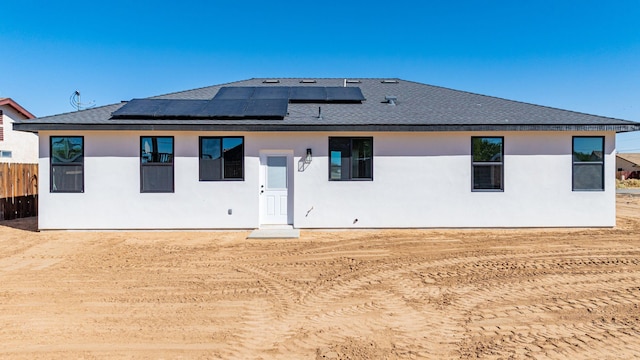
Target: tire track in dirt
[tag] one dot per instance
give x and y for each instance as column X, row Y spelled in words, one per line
column 295, row 299
column 386, row 305
column 422, row 294
column 506, row 330
column 344, row 285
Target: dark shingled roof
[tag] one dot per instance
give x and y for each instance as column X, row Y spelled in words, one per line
column 419, row 107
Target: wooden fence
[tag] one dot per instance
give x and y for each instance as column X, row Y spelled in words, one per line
column 18, row 190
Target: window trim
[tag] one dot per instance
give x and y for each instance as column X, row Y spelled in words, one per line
column 51, row 165
column 351, row 138
column 172, row 164
column 574, row 163
column 222, row 178
column 487, row 163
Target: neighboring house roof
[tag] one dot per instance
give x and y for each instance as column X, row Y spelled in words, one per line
column 633, row 158
column 16, row 107
column 417, row 107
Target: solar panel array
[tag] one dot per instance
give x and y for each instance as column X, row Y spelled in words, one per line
column 202, row 109
column 315, row 94
column 237, row 102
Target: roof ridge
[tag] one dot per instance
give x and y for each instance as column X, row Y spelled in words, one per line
column 262, row 78
column 324, row 78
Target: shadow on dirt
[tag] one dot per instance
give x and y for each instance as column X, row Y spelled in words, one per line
column 26, row 224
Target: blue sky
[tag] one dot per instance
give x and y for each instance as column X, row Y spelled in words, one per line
column 576, row 55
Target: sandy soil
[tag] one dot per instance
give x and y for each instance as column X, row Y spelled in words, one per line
column 421, row 294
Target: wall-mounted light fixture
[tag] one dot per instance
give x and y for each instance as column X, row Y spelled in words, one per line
column 307, row 159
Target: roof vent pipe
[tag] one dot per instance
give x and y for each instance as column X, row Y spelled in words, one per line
column 319, row 113
column 345, row 83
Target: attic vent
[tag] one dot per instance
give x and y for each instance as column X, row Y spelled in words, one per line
column 353, row 81
column 271, row 81
column 308, row 81
column 391, row 81
column 391, row 100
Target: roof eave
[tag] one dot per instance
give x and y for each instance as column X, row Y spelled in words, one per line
column 10, row 102
column 35, row 127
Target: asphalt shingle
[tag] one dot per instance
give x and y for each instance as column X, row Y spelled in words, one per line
column 418, row 107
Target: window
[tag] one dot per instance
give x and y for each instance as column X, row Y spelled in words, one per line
column 5, row 154
column 221, row 158
column 588, row 163
column 487, row 163
column 156, row 164
column 350, row 158
column 67, row 164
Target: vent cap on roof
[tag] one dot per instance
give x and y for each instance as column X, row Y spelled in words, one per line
column 389, row 81
column 391, row 100
column 271, row 81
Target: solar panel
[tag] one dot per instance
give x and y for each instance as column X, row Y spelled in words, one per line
column 159, row 108
column 181, row 108
column 308, row 94
column 344, row 94
column 238, row 102
column 231, row 108
column 292, row 93
column 235, row 92
column 266, row 108
column 271, row 92
column 137, row 107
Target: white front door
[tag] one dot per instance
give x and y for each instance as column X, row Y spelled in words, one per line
column 274, row 189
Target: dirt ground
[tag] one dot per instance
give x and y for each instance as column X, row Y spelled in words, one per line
column 410, row 294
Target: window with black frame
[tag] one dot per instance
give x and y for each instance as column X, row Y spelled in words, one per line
column 487, row 155
column 67, row 164
column 588, row 163
column 350, row 158
column 156, row 164
column 221, row 158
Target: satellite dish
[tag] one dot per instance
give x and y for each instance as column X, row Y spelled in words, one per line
column 77, row 104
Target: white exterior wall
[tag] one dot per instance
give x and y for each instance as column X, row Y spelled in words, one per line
column 112, row 198
column 424, row 180
column 419, row 180
column 23, row 145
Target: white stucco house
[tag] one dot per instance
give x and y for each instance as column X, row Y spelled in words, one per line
column 325, row 153
column 16, row 146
